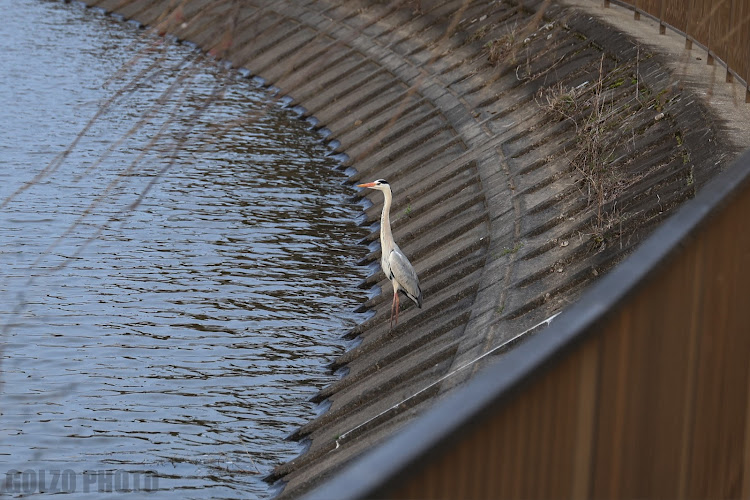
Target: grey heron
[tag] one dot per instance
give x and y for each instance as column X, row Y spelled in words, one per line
column 396, row 266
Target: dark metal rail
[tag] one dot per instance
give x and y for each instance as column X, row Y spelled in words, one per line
column 638, row 390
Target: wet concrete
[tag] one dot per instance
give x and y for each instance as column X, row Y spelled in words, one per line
column 528, row 155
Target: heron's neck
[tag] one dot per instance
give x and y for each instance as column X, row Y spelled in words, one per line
column 386, row 237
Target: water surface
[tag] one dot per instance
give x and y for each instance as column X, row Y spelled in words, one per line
column 180, row 338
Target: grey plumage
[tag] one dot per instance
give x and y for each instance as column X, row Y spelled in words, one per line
column 404, row 275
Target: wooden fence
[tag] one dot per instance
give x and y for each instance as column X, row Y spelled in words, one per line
column 722, row 27
column 640, row 390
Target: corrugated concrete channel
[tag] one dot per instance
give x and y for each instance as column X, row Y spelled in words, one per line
column 528, row 155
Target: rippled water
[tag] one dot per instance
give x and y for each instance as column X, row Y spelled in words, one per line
column 174, row 344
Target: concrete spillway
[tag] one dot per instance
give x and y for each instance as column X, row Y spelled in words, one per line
column 530, row 148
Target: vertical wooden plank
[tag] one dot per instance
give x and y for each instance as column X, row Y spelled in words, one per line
column 675, row 14
column 615, row 363
column 746, row 465
column 693, row 346
column 588, row 384
column 720, row 28
column 738, row 39
column 653, row 7
column 493, row 462
column 533, row 443
column 660, row 321
column 698, row 20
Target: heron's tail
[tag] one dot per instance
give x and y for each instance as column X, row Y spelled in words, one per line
column 416, row 298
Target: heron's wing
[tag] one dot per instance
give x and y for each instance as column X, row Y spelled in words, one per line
column 405, row 275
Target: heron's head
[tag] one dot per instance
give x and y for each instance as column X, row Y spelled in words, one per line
column 380, row 185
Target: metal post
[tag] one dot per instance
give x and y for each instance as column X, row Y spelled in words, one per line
column 662, row 26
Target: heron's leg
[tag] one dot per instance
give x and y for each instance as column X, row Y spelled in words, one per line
column 393, row 307
column 398, row 306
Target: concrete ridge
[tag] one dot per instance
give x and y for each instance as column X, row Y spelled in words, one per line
column 528, row 156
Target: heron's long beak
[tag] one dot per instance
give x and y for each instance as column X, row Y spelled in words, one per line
column 367, row 185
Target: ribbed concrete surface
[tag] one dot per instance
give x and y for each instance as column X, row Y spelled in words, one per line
column 489, row 204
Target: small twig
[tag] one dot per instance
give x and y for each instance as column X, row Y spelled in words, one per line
column 251, row 458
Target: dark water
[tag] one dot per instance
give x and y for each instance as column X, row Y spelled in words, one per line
column 170, row 346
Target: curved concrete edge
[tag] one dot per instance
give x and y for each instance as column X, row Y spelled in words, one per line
column 450, row 105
